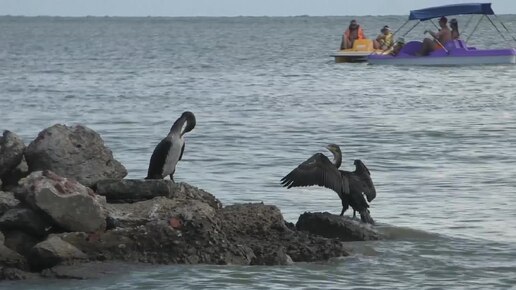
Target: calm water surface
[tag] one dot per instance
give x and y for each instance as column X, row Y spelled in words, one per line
column 439, row 141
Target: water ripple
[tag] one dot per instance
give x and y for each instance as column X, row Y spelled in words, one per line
column 438, row 141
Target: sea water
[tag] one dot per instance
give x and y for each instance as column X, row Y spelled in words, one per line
column 439, row 141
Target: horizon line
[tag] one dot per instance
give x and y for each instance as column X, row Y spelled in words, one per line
column 212, row 16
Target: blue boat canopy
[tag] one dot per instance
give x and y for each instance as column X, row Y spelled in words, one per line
column 455, row 9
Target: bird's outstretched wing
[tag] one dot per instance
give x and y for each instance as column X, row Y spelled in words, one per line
column 157, row 160
column 317, row 170
column 363, row 181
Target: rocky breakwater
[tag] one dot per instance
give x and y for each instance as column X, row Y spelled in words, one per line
column 72, row 208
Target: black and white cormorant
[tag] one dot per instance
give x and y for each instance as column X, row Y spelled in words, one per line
column 350, row 186
column 170, row 150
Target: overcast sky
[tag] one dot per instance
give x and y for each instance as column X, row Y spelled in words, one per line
column 226, row 7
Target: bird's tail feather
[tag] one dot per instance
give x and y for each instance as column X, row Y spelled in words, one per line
column 365, row 216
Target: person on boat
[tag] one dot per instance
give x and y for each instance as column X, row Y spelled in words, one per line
column 440, row 38
column 353, row 33
column 454, row 25
column 384, row 40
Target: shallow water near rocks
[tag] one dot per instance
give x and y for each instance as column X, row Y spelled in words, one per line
column 437, row 140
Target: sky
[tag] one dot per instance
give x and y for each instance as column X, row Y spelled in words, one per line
column 227, row 7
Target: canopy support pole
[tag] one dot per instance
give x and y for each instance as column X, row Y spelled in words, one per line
column 505, row 27
column 437, row 27
column 475, row 28
column 417, row 23
column 496, row 27
column 397, row 30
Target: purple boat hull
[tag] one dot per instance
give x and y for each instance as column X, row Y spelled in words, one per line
column 456, row 53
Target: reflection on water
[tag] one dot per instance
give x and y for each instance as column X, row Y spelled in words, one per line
column 438, row 141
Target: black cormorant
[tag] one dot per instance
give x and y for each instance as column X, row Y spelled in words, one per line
column 350, row 186
column 170, row 150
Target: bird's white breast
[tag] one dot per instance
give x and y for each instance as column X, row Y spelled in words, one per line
column 173, row 154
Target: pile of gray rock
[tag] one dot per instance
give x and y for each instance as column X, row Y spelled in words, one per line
column 64, row 202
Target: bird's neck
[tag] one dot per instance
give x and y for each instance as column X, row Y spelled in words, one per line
column 337, row 159
column 178, row 128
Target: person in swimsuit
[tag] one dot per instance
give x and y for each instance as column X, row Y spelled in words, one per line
column 454, row 25
column 440, row 38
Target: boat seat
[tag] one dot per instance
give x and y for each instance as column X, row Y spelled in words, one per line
column 411, row 47
column 362, row 45
column 457, row 43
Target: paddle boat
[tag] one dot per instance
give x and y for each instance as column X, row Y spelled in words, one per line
column 453, row 52
column 361, row 49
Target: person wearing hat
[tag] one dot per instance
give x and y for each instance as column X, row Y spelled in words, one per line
column 353, row 32
column 440, row 38
column 384, row 40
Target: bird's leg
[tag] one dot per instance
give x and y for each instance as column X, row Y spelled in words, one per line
column 345, row 206
column 354, row 214
column 172, row 176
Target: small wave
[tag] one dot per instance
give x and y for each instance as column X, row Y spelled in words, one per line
column 403, row 233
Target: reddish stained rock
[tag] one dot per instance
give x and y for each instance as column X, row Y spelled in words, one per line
column 71, row 205
column 176, row 223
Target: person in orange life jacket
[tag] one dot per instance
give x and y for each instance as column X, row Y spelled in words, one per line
column 353, row 33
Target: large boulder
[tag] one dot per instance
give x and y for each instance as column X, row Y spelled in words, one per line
column 158, row 208
column 333, row 226
column 262, row 228
column 71, row 205
column 7, row 201
column 194, row 242
column 11, row 151
column 20, row 241
column 25, row 219
column 54, row 251
column 8, row 273
column 133, row 190
column 76, row 152
column 9, row 258
column 10, row 179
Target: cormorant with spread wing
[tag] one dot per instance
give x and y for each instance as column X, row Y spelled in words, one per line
column 350, row 186
column 170, row 150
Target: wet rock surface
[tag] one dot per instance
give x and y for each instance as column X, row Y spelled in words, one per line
column 334, row 226
column 76, row 152
column 92, row 270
